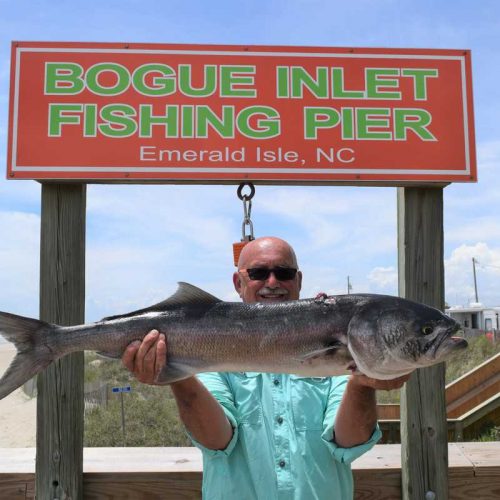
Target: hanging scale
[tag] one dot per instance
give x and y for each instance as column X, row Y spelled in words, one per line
column 247, row 222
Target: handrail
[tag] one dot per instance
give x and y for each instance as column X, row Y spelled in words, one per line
column 464, row 394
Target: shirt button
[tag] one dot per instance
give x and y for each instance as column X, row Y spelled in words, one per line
column 276, row 381
column 279, row 420
column 282, row 463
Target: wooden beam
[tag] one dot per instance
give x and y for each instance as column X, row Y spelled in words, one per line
column 59, row 458
column 424, row 451
column 176, row 473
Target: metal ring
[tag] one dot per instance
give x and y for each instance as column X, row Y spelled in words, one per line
column 240, row 189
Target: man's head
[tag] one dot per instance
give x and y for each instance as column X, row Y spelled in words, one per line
column 267, row 253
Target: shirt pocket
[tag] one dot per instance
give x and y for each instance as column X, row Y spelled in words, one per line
column 247, row 389
column 309, row 398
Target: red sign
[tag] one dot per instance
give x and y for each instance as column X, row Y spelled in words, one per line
column 110, row 112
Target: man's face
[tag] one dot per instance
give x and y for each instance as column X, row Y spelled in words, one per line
column 267, row 254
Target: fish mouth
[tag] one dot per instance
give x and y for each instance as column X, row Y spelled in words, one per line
column 448, row 341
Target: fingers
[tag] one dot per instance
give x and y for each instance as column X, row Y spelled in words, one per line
column 128, row 357
column 161, row 355
column 146, row 359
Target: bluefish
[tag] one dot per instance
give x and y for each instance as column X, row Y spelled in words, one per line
column 380, row 336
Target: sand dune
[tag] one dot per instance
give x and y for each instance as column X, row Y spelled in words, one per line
column 17, row 411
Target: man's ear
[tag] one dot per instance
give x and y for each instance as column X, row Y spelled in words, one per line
column 237, row 282
column 299, row 277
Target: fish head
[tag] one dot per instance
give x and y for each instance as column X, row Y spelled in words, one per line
column 391, row 337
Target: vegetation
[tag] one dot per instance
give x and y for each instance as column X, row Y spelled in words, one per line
column 492, row 434
column 150, row 412
column 479, row 350
column 151, row 417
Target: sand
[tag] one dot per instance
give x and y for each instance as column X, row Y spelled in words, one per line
column 17, row 411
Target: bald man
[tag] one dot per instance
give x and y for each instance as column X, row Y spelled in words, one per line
column 270, row 436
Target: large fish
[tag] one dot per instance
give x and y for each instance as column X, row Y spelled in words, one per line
column 380, row 336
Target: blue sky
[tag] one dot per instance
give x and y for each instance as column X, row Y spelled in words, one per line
column 141, row 240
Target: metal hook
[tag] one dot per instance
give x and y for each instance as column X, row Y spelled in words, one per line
column 246, row 196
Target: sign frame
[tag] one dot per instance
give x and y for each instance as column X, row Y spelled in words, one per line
column 278, row 172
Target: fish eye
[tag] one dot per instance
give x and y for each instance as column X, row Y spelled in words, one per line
column 427, row 330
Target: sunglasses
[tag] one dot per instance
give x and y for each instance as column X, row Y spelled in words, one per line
column 262, row 273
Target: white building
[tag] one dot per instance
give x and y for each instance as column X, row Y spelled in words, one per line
column 476, row 316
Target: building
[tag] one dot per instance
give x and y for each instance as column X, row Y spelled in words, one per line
column 476, row 316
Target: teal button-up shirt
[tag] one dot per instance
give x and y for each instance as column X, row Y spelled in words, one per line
column 282, row 446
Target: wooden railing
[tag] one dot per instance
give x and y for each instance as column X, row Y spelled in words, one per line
column 472, row 401
column 176, row 473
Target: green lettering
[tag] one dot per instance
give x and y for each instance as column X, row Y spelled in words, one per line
column 90, row 120
column 366, row 118
column 301, row 78
column 187, row 120
column 338, row 91
column 168, row 120
column 375, row 80
column 63, row 78
column 119, row 121
column 347, row 123
column 209, row 81
column 63, row 114
column 230, row 78
column 283, row 81
column 264, row 128
column 223, row 126
column 121, row 76
column 154, row 79
column 420, row 81
column 316, row 118
column 415, row 120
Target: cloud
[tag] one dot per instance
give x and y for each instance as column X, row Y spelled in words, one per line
column 384, row 278
column 460, row 279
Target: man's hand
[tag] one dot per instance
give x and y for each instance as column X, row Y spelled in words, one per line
column 200, row 412
column 146, row 359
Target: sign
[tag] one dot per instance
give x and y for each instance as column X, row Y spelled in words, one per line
column 173, row 113
column 127, row 388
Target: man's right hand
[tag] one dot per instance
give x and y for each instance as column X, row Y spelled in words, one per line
column 199, row 410
column 146, row 359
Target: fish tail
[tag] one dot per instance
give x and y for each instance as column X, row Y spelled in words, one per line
column 32, row 356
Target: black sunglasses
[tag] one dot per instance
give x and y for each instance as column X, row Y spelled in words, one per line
column 262, row 273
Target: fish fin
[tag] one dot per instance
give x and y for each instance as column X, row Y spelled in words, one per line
column 31, row 357
column 318, row 353
column 172, row 373
column 185, row 294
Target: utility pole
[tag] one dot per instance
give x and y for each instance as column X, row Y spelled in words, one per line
column 474, row 262
column 349, row 286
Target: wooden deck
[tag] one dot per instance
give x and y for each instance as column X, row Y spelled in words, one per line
column 175, row 473
column 472, row 405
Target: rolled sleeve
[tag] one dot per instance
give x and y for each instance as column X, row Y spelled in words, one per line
column 215, row 383
column 343, row 455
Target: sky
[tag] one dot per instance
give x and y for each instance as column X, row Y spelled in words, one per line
column 143, row 239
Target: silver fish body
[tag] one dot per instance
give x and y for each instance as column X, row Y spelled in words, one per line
column 381, row 336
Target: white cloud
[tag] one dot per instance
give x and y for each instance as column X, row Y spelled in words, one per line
column 459, row 274
column 384, row 278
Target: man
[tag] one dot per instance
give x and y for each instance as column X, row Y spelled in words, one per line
column 270, row 436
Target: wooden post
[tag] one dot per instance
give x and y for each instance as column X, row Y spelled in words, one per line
column 424, row 451
column 59, row 458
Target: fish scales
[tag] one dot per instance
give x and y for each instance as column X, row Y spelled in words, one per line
column 378, row 335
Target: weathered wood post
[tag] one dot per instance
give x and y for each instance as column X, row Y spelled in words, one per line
column 59, row 458
column 424, row 440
